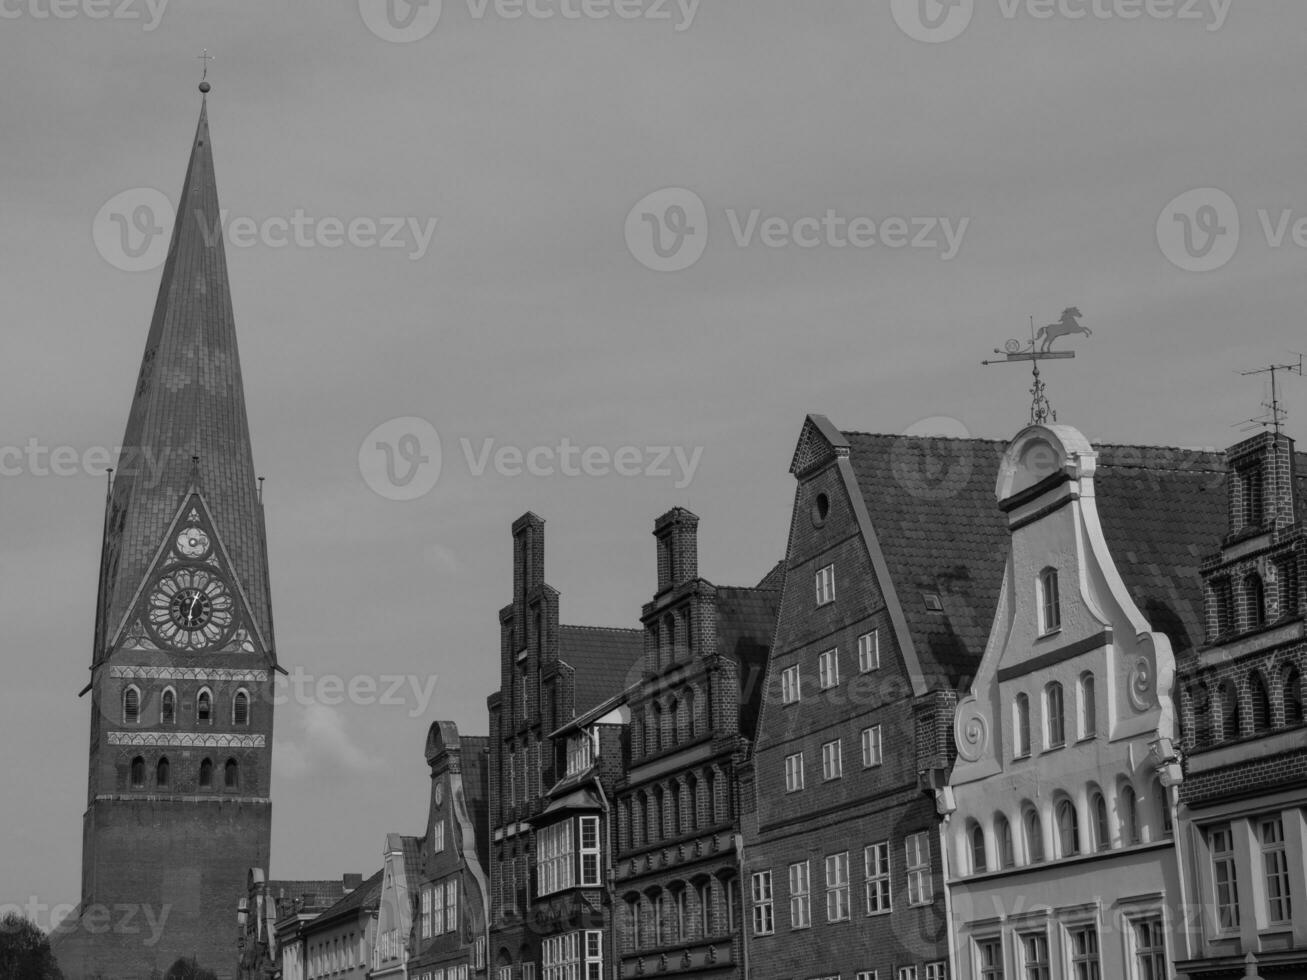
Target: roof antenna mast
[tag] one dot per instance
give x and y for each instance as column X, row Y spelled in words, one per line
column 1276, row 411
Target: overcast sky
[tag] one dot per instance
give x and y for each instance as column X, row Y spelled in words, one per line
column 1052, row 149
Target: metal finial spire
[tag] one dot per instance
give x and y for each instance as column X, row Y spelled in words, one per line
column 205, row 57
column 1276, row 412
column 1041, row 410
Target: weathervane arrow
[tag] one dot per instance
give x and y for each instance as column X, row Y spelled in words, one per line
column 1040, row 349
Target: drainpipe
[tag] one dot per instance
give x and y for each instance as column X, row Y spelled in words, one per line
column 945, row 806
column 744, row 925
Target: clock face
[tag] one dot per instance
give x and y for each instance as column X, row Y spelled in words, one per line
column 193, row 543
column 191, row 608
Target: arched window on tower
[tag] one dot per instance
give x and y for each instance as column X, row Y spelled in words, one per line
column 1261, row 703
column 1088, row 706
column 168, row 707
column 976, row 833
column 1229, row 711
column 1068, row 829
column 1293, row 697
column 231, row 775
column 132, row 706
column 204, row 707
column 1254, row 597
column 240, row 709
column 161, row 772
column 138, row 772
column 206, row 773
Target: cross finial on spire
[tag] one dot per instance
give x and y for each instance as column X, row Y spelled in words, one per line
column 205, row 58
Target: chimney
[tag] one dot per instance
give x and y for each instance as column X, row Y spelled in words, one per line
column 677, row 533
column 1261, row 485
column 351, row 882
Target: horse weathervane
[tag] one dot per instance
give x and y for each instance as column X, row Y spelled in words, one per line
column 1040, row 349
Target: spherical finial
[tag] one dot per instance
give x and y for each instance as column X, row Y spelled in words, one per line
column 205, row 87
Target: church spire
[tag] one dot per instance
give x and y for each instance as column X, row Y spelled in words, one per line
column 187, row 429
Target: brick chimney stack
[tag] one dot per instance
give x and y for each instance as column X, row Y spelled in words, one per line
column 1261, row 485
column 677, row 533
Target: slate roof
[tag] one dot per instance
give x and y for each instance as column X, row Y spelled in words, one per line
column 602, row 658
column 365, row 896
column 189, row 402
column 932, row 505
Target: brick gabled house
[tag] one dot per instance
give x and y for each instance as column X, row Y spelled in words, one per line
column 549, row 674
column 892, row 575
column 445, row 938
column 693, row 717
column 1243, row 818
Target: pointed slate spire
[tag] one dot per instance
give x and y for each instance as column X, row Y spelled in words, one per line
column 187, row 429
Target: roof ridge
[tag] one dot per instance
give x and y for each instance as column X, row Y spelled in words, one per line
column 608, row 629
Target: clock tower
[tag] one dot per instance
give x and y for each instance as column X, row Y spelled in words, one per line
column 178, row 802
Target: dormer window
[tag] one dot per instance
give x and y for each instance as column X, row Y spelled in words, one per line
column 582, row 749
column 1050, row 603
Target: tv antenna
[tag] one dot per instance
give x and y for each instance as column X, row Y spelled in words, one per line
column 1277, row 413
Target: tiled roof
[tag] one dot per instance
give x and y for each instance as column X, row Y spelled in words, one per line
column 931, row 502
column 315, row 894
column 412, row 861
column 602, row 659
column 365, row 896
column 775, row 578
column 189, row 402
column 746, row 626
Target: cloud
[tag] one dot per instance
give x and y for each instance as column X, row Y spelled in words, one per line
column 322, row 741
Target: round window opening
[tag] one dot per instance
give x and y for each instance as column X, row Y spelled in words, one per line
column 820, row 509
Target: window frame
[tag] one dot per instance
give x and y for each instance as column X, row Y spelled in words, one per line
column 762, row 903
column 832, row 761
column 837, row 887
column 828, row 669
column 791, row 685
column 794, row 768
column 879, row 884
column 1225, row 913
column 872, row 738
column 869, row 651
column 825, row 585
column 916, row 851
column 800, row 895
column 1050, row 602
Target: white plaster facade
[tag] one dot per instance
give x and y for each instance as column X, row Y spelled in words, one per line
column 1060, row 854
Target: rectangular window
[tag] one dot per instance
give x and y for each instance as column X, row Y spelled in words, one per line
column 907, row 973
column 875, row 859
column 1150, row 950
column 426, row 913
column 763, row 924
column 528, row 971
column 589, row 827
column 1220, row 843
column 790, row 688
column 1084, row 954
column 868, row 975
column 451, row 905
column 794, row 772
column 989, row 954
column 869, row 651
column 800, row 896
column 837, row 887
column 438, row 836
column 828, row 669
column 1050, row 607
column 825, row 585
column 554, row 858
column 594, row 954
column 1034, row 950
column 871, row 747
column 937, row 971
column 581, row 752
column 832, row 762
column 1275, row 861
column 917, row 849
column 573, row 956
column 437, row 909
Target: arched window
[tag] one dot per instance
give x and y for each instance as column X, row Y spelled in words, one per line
column 1229, row 711
column 1129, row 815
column 231, row 775
column 204, row 706
column 656, row 815
column 161, row 772
column 691, row 803
column 640, row 819
column 168, row 706
column 1200, row 700
column 673, row 721
column 977, row 836
column 132, row 706
column 638, row 747
column 669, row 639
column 692, row 725
column 138, row 772
column 674, row 824
column 655, row 732
column 1068, row 829
column 710, row 796
column 206, row 773
column 1021, row 726
column 1054, row 707
column 1102, row 833
column 1050, row 602
column 1292, row 697
column 633, row 921
column 1034, row 836
column 678, row 911
column 1254, row 597
column 703, row 895
column 1288, row 583
column 1088, row 706
column 1261, row 702
column 659, row 917
column 1221, row 597
column 240, row 708
column 1003, row 837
